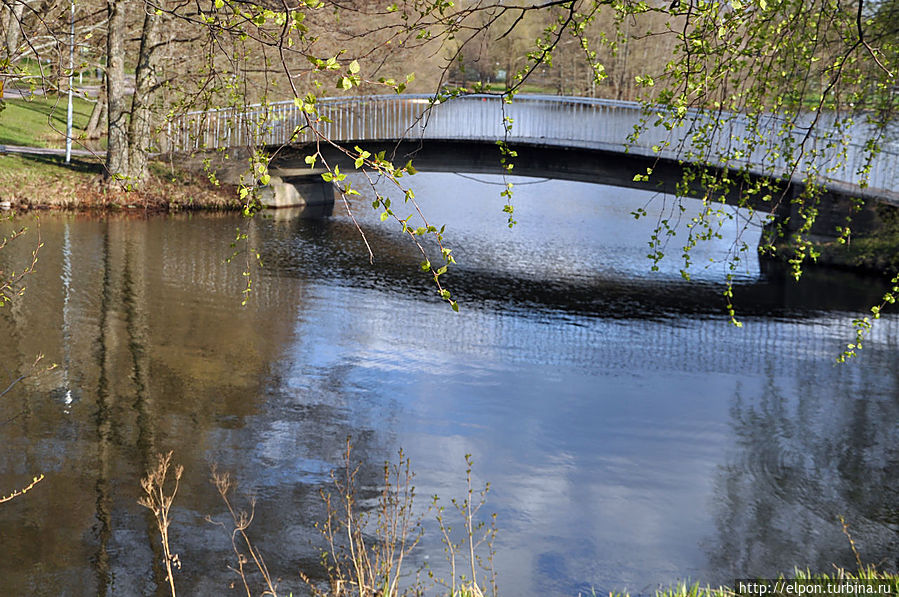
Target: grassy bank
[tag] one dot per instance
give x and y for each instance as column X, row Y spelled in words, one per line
column 47, row 182
column 41, row 121
column 30, row 181
column 867, row 581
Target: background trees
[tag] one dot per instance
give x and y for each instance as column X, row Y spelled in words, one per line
column 749, row 56
column 809, row 74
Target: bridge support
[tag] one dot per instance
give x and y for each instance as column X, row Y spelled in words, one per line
column 873, row 244
column 868, row 217
column 285, row 193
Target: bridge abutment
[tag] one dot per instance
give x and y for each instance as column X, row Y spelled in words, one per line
column 833, row 211
column 281, row 193
column 872, row 244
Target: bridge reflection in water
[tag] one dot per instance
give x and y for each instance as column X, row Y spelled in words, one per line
column 632, row 436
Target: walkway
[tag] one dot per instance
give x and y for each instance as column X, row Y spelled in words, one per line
column 563, row 122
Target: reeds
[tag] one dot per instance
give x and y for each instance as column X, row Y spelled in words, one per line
column 367, row 551
column 240, row 540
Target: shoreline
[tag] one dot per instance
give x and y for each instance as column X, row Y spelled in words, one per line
column 45, row 182
column 31, row 183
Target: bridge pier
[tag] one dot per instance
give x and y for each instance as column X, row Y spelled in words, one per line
column 832, row 208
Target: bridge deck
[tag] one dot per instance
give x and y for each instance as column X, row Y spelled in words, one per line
column 834, row 150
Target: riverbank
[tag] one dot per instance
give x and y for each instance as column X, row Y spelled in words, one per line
column 34, row 182
column 30, row 182
column 874, row 252
column 44, row 181
column 867, row 581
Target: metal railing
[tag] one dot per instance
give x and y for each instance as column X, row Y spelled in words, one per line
column 772, row 146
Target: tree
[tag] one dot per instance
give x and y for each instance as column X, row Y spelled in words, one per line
column 806, row 74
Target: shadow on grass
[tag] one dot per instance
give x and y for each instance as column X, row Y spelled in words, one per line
column 85, row 165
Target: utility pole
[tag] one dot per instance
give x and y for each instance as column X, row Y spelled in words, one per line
column 71, row 82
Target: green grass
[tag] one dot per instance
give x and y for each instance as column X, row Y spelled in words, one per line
column 45, row 179
column 500, row 87
column 870, row 576
column 40, row 122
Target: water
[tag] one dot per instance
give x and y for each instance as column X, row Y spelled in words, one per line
column 632, row 437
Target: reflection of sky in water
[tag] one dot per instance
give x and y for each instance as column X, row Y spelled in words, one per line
column 604, row 466
column 565, row 230
column 632, row 437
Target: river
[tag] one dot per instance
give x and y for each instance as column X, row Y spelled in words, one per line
column 632, row 437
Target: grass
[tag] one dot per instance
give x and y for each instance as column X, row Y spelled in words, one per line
column 808, row 584
column 41, row 121
column 46, row 181
column 25, row 178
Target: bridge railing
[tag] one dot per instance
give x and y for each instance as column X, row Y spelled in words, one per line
column 771, row 146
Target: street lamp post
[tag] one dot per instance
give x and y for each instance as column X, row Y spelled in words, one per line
column 71, row 81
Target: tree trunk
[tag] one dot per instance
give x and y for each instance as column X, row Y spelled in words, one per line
column 13, row 19
column 97, row 118
column 117, row 148
column 140, row 130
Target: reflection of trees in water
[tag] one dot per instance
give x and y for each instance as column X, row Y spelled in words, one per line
column 160, row 355
column 103, row 527
column 800, row 463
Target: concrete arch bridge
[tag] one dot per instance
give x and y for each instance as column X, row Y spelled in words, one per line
column 571, row 138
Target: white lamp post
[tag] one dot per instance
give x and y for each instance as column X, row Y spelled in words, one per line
column 71, row 81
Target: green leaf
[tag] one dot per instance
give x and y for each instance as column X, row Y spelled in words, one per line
column 384, row 215
column 354, row 67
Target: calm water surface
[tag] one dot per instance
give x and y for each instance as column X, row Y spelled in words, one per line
column 631, row 436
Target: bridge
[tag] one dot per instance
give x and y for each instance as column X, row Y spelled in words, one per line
column 562, row 137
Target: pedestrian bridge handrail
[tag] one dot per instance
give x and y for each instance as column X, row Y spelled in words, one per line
column 772, row 146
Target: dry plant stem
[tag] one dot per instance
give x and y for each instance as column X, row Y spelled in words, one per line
column 476, row 534
column 468, row 525
column 242, row 521
column 16, row 493
column 160, row 503
column 846, row 532
column 450, row 548
column 366, row 550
